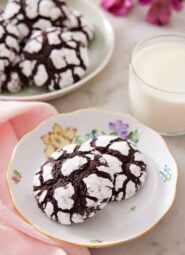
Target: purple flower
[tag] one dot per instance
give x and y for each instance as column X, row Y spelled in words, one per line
column 117, row 7
column 120, row 128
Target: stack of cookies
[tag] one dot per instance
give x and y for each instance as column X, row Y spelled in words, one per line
column 79, row 180
column 42, row 43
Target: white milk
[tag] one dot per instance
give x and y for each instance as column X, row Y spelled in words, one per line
column 162, row 66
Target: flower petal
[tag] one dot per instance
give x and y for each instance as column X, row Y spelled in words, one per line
column 118, row 124
column 144, row 1
column 160, row 12
column 58, row 130
column 124, row 126
column 123, row 134
column 117, row 7
column 59, row 141
column 106, row 4
column 177, row 5
column 70, row 133
column 112, row 126
column 49, row 150
column 46, row 138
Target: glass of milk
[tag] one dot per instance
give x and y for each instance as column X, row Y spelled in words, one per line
column 157, row 83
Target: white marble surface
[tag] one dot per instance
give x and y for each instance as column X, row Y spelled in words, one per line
column 109, row 91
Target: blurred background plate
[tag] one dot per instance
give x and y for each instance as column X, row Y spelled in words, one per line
column 101, row 50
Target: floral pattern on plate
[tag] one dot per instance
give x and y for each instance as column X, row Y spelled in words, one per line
column 59, row 136
column 17, row 176
column 166, row 174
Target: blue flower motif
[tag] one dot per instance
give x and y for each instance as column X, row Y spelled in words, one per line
column 120, row 128
column 93, row 135
column 166, row 173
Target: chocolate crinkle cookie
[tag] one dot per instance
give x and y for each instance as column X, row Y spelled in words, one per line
column 127, row 164
column 72, row 185
column 9, row 44
column 82, row 30
column 12, row 80
column 28, row 15
column 53, row 59
column 10, row 73
column 42, row 43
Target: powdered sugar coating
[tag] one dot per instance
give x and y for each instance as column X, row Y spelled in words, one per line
column 114, row 164
column 11, row 79
column 64, row 218
column 24, row 19
column 122, row 147
column 70, row 148
column 29, row 15
column 42, row 196
column 47, row 172
column 98, row 187
column 119, row 180
column 130, row 189
column 57, row 154
column 49, row 209
column 104, row 140
column 63, row 196
column 78, row 180
column 127, row 164
column 13, row 82
column 86, row 146
column 135, row 170
column 67, row 59
column 77, row 218
column 43, row 174
column 73, row 164
column 36, row 181
column 14, row 13
column 9, row 44
column 138, row 156
column 67, row 149
column 82, row 29
column 77, row 190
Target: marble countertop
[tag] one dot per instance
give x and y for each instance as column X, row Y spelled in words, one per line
column 109, row 90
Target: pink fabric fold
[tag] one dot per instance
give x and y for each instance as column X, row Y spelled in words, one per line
column 17, row 237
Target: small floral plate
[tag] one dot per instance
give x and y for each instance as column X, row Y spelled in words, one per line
column 118, row 222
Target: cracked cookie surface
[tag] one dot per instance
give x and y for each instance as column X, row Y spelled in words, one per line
column 127, row 163
column 71, row 186
column 54, row 60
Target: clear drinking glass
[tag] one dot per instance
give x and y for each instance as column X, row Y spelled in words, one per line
column 160, row 109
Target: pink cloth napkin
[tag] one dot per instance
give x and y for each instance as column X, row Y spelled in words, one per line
column 16, row 236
